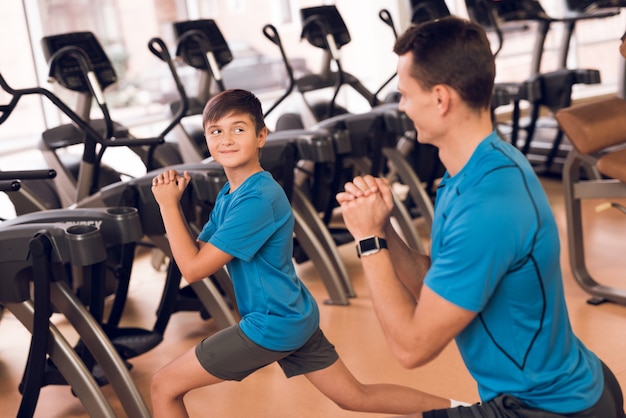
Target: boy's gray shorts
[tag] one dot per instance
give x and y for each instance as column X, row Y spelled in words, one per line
column 230, row 355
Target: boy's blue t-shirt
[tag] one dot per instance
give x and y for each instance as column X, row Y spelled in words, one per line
column 255, row 224
column 495, row 251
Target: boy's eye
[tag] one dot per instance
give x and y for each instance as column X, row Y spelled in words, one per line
column 238, row 130
column 215, row 132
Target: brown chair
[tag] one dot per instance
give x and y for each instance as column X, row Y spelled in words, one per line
column 594, row 169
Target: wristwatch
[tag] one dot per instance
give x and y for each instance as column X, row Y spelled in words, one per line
column 370, row 245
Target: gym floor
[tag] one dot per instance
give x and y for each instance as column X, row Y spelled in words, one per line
column 353, row 329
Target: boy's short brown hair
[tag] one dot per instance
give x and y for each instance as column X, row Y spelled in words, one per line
column 237, row 101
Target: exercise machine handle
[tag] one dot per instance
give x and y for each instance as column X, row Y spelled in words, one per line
column 90, row 76
column 18, row 93
column 271, row 33
column 10, row 185
column 132, row 142
column 28, row 175
column 332, row 48
column 329, row 39
column 10, row 181
column 385, row 16
column 157, row 47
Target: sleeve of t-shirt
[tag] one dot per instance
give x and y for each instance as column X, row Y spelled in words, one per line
column 247, row 226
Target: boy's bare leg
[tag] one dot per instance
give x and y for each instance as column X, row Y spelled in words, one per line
column 170, row 384
column 339, row 384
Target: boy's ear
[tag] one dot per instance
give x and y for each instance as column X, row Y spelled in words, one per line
column 262, row 137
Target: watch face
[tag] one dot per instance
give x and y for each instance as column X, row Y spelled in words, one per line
column 368, row 244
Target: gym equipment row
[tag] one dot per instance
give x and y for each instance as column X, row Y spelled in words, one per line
column 28, row 199
column 111, row 276
column 542, row 141
column 81, row 176
column 87, row 43
column 64, row 253
column 201, row 45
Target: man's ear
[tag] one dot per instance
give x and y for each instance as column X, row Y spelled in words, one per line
column 443, row 96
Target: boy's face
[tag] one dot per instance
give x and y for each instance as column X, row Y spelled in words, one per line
column 232, row 141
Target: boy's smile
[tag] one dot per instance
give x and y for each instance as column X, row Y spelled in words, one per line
column 233, row 142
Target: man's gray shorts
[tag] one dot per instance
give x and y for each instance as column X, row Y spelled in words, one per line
column 610, row 405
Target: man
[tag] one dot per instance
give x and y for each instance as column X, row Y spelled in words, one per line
column 492, row 281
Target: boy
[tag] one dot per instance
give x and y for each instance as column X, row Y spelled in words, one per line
column 250, row 230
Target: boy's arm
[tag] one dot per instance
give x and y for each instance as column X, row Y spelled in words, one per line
column 195, row 263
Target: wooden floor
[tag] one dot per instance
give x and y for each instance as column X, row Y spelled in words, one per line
column 353, row 329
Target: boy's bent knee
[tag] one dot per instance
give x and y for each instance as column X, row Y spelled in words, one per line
column 161, row 387
column 156, row 384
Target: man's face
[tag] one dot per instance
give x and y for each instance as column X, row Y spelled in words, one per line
column 419, row 104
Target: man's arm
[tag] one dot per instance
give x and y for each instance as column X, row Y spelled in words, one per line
column 417, row 322
column 415, row 331
column 409, row 265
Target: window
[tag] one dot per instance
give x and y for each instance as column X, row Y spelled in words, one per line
column 145, row 87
